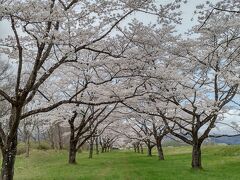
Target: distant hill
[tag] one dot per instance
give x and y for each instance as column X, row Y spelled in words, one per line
column 226, row 140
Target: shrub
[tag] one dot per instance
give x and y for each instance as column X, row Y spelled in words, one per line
column 43, row 147
column 21, row 149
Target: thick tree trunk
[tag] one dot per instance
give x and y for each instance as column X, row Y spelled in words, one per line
column 159, row 149
column 9, row 150
column 72, row 154
column 8, row 160
column 72, row 149
column 196, row 156
column 160, row 152
column 73, row 144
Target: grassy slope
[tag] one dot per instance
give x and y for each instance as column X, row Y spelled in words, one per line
column 219, row 163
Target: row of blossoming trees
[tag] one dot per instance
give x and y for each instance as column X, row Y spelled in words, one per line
column 94, row 65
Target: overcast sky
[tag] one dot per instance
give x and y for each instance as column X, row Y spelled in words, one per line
column 187, row 9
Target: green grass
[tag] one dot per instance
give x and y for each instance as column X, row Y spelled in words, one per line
column 219, row 162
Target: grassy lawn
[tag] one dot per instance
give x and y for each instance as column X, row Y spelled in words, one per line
column 219, row 162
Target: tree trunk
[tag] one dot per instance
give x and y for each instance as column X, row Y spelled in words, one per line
column 91, row 148
column 97, row 149
column 160, row 152
column 135, row 149
column 196, row 156
column 8, row 160
column 138, row 150
column 27, row 145
column 51, row 139
column 9, row 149
column 72, row 149
column 159, row 149
column 59, row 137
column 38, row 136
column 149, row 151
column 141, row 148
column 72, row 154
column 52, row 144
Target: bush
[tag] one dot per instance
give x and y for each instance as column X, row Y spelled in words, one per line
column 21, row 149
column 43, row 147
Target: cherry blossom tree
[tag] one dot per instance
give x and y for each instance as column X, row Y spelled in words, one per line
column 142, row 129
column 208, row 82
column 205, row 80
column 107, row 138
column 50, row 38
column 49, row 35
column 85, row 129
